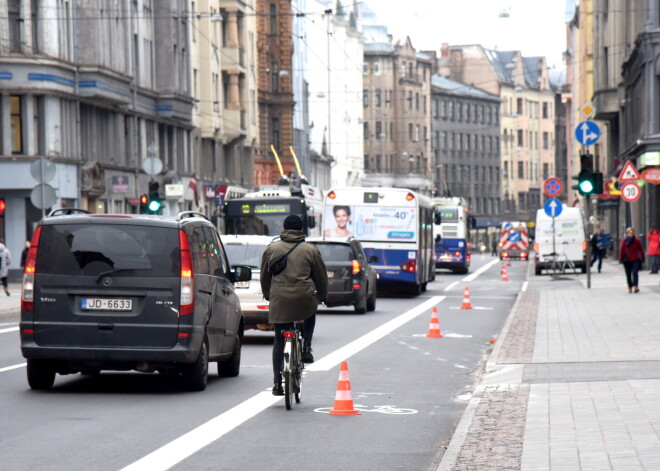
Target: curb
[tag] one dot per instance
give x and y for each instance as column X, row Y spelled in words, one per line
column 458, row 438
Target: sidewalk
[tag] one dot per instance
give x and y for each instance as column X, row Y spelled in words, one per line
column 573, row 382
column 10, row 306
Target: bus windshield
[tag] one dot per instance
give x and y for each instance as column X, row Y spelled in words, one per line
column 447, row 214
column 260, row 216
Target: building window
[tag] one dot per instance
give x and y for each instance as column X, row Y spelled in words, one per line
column 545, row 110
column 35, row 27
column 16, row 109
column 379, row 163
column 377, row 67
column 451, row 110
column 424, row 101
column 410, row 131
column 546, row 173
column 443, row 109
column 366, row 130
column 275, row 133
column 15, row 22
column 275, row 76
column 459, row 111
column 417, row 101
column 365, row 69
column 273, row 19
column 519, row 106
column 468, row 111
column 545, row 140
column 521, row 200
column 520, row 137
column 521, row 170
column 366, row 163
column 416, row 132
column 379, row 130
column 410, row 100
column 377, row 97
column 365, row 98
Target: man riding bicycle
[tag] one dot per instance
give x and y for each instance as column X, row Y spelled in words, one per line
column 295, row 293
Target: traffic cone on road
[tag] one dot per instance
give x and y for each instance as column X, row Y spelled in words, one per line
column 343, row 398
column 505, row 276
column 466, row 299
column 434, row 327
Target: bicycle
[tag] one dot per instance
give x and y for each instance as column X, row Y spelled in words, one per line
column 292, row 364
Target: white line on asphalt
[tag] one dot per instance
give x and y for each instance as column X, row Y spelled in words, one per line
column 181, row 448
column 448, row 288
column 13, row 367
column 10, row 329
column 524, row 286
column 474, row 275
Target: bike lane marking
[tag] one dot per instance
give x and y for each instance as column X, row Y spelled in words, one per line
column 10, row 329
column 448, row 288
column 191, row 442
column 474, row 275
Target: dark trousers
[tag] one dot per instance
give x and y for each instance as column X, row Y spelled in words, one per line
column 655, row 263
column 278, row 355
column 597, row 255
column 632, row 272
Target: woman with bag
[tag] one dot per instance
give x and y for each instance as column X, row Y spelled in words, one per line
column 631, row 254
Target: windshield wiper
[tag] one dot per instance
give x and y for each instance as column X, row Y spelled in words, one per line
column 110, row 272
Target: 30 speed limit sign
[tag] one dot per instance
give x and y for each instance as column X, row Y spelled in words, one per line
column 631, row 192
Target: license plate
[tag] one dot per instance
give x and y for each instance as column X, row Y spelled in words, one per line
column 331, row 274
column 242, row 284
column 445, row 257
column 99, row 304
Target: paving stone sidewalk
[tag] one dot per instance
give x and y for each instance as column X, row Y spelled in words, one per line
column 572, row 384
column 10, row 306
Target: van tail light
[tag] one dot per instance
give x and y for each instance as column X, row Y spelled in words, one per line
column 523, row 254
column 356, row 286
column 584, row 245
column 27, row 292
column 536, row 248
column 410, row 266
column 356, row 267
column 187, row 298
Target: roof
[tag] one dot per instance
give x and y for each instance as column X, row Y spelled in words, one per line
column 531, row 71
column 457, row 88
column 499, row 61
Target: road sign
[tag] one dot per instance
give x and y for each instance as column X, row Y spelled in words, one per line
column 587, row 109
column 631, row 192
column 152, row 166
column 629, row 173
column 43, row 196
column 587, row 133
column 43, row 170
column 553, row 207
column 651, row 175
column 552, row 187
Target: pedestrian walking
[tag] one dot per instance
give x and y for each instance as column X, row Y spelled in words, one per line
column 493, row 245
column 597, row 248
column 24, row 254
column 631, row 254
column 653, row 249
column 5, row 260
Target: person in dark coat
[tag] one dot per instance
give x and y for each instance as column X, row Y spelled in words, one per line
column 294, row 294
column 597, row 250
column 631, row 254
column 24, row 254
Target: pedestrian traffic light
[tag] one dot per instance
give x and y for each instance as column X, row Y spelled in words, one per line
column 154, row 198
column 3, row 205
column 144, row 204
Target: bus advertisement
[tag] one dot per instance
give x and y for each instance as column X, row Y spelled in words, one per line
column 451, row 234
column 393, row 224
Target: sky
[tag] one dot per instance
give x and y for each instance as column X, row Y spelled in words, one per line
column 535, row 27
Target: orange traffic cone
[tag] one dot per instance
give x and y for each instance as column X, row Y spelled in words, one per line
column 434, row 327
column 344, row 398
column 505, row 276
column 466, row 299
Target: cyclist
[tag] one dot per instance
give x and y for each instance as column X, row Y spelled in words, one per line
column 295, row 293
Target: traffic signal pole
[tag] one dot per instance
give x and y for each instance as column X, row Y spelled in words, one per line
column 590, row 232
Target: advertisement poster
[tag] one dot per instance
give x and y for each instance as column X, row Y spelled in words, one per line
column 375, row 223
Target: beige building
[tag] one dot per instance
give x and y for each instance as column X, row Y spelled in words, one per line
column 526, row 124
column 397, row 113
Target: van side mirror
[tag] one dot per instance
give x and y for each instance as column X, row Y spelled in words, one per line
column 311, row 222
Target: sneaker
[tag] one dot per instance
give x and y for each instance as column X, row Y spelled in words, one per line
column 278, row 390
column 307, row 356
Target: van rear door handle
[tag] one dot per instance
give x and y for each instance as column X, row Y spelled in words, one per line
column 106, row 326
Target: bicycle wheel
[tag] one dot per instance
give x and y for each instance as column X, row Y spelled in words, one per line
column 288, row 389
column 298, row 374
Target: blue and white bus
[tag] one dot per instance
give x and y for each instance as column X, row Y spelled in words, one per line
column 451, row 234
column 394, row 225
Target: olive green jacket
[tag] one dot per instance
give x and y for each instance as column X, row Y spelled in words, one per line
column 295, row 293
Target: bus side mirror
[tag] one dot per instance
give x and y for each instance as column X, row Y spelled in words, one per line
column 311, row 222
column 437, row 219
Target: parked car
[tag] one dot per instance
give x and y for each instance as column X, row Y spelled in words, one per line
column 129, row 292
column 248, row 250
column 351, row 278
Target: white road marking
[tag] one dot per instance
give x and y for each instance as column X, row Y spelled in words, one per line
column 10, row 329
column 474, row 275
column 13, row 367
column 524, row 286
column 448, row 288
column 186, row 445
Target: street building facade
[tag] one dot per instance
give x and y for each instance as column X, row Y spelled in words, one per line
column 397, row 113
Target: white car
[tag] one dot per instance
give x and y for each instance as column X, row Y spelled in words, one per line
column 247, row 250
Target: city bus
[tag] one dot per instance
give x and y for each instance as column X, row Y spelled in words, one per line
column 263, row 212
column 394, row 226
column 451, row 234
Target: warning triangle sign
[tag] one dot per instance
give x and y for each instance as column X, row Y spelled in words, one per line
column 629, row 173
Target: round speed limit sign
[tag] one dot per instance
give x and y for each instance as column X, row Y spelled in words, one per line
column 631, row 192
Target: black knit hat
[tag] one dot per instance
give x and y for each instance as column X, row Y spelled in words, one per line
column 293, row 222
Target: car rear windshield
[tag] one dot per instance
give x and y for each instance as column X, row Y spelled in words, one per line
column 335, row 252
column 240, row 254
column 120, row 250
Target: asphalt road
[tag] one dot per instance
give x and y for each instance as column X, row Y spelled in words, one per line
column 411, row 390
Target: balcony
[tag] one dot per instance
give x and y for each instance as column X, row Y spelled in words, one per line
column 233, row 59
column 234, row 124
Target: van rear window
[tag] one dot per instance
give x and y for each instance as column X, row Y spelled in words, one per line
column 123, row 250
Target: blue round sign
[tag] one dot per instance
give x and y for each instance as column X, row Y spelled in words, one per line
column 553, row 207
column 587, row 133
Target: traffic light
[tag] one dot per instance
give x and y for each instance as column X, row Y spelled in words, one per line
column 154, row 198
column 586, row 184
column 144, row 204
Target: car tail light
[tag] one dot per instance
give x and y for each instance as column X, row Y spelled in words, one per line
column 356, row 267
column 505, row 254
column 332, row 195
column 183, row 335
column 523, row 255
column 187, row 298
column 410, row 266
column 356, row 286
column 262, row 307
column 27, row 293
column 410, row 197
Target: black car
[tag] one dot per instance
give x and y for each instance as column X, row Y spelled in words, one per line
column 351, row 278
column 129, row 292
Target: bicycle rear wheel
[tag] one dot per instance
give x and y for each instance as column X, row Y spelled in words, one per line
column 288, row 389
column 298, row 375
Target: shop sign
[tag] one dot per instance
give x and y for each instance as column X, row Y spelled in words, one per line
column 651, row 175
column 174, row 191
column 649, row 159
column 120, row 184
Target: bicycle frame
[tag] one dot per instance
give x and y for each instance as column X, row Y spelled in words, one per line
column 292, row 365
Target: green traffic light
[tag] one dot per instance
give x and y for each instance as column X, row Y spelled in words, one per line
column 586, row 186
column 154, row 206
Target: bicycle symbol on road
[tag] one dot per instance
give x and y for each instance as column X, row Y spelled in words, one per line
column 388, row 410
